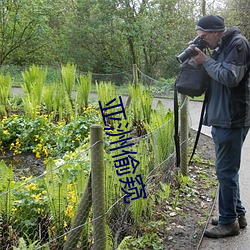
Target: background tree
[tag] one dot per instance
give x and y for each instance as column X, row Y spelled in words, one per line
column 237, row 13
column 21, row 25
column 105, row 36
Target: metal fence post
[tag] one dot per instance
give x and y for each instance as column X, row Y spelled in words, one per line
column 184, row 135
column 98, row 192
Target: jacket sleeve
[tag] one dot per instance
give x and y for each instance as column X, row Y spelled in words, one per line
column 234, row 66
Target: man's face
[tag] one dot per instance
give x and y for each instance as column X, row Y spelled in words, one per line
column 211, row 38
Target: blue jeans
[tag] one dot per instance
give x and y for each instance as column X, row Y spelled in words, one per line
column 228, row 145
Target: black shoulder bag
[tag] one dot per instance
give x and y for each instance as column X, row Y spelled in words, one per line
column 191, row 81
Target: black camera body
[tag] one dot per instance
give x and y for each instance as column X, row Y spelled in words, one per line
column 190, row 51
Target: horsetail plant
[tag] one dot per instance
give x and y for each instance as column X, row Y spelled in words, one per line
column 161, row 126
column 56, row 184
column 6, row 184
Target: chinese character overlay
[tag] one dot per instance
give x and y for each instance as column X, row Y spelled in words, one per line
column 124, row 161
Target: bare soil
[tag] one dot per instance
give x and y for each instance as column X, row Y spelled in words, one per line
column 187, row 222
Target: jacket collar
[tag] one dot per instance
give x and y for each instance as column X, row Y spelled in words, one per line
column 231, row 32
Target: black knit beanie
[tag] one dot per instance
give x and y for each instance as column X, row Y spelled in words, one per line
column 211, row 23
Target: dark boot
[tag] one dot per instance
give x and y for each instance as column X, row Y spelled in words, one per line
column 241, row 219
column 221, row 231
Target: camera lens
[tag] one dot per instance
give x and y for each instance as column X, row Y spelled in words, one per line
column 187, row 53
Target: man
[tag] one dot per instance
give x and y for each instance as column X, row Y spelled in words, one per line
column 228, row 112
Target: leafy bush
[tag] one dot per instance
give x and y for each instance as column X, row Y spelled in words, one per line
column 41, row 136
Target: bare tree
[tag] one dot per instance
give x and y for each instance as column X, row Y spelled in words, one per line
column 20, row 22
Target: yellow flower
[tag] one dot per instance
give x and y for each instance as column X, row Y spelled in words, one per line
column 14, row 209
column 6, row 132
column 69, row 211
column 37, row 196
column 31, row 187
column 45, row 151
column 17, row 152
column 73, row 199
column 38, row 155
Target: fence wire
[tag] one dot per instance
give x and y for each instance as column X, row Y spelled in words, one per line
column 45, row 210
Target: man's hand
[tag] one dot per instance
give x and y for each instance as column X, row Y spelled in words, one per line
column 200, row 58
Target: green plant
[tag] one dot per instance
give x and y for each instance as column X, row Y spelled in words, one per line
column 34, row 81
column 161, row 132
column 176, row 199
column 48, row 98
column 141, row 103
column 28, row 245
column 184, row 181
column 56, row 187
column 42, row 136
column 106, row 92
column 164, row 191
column 68, row 74
column 30, row 208
column 5, row 90
column 6, row 196
column 83, row 91
column 147, row 241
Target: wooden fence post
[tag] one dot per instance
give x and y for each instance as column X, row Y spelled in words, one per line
column 98, row 191
column 135, row 82
column 184, row 135
column 135, row 74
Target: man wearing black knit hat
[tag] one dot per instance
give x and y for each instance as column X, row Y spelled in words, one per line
column 228, row 112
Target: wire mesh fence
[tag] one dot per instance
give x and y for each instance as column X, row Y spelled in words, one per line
column 57, row 209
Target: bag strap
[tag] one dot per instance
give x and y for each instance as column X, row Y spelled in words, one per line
column 176, row 126
column 199, row 127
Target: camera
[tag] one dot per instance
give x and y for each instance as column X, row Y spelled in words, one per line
column 190, row 51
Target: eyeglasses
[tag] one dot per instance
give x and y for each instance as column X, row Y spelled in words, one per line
column 203, row 36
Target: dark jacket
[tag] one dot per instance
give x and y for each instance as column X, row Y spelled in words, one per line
column 229, row 90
